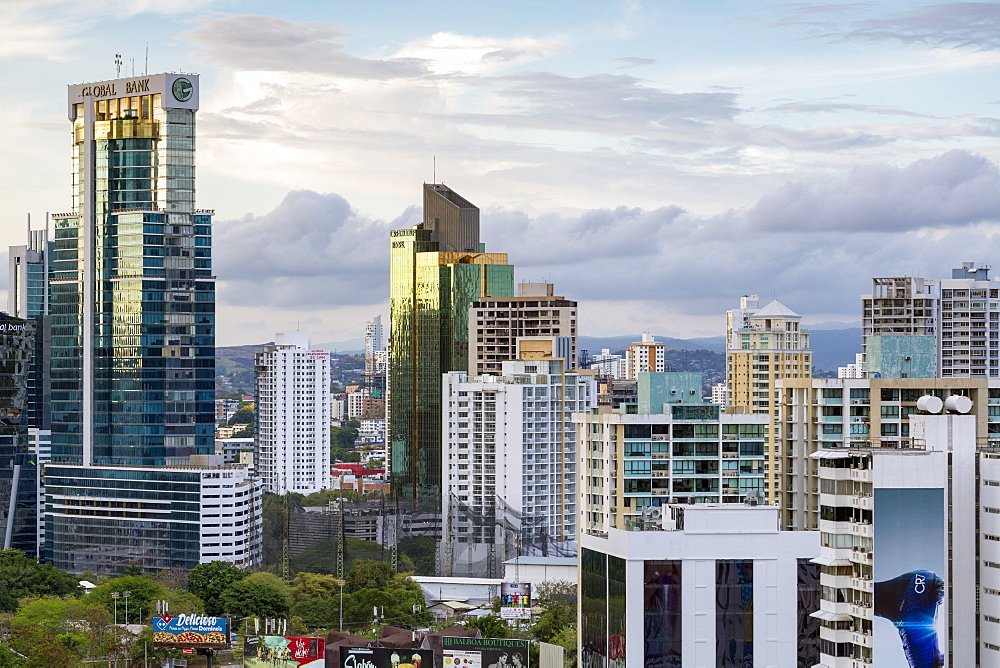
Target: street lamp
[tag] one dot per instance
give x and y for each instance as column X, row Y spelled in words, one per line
column 114, row 597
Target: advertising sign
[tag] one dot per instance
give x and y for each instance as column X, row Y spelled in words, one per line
column 909, row 571
column 384, row 657
column 515, row 600
column 191, row 631
column 283, row 652
column 484, row 653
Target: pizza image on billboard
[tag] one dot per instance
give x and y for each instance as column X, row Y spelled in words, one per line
column 191, row 631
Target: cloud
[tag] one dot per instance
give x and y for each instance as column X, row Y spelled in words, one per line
column 312, row 251
column 955, row 24
column 953, row 189
column 268, row 43
column 630, row 61
column 315, row 253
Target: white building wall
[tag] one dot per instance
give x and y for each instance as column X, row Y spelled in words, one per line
column 703, row 542
column 528, row 457
column 231, row 517
column 293, row 416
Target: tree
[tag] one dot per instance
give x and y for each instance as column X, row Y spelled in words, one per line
column 422, row 552
column 20, row 576
column 558, row 598
column 209, row 581
column 142, row 593
column 314, row 585
column 490, row 626
column 343, row 438
column 243, row 415
column 245, row 598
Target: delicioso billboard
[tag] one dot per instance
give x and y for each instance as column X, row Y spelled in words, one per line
column 191, row 631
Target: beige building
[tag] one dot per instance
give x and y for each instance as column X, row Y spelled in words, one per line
column 763, row 346
column 817, row 414
column 645, row 355
column 537, row 324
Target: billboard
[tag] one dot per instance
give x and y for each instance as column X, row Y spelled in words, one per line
column 484, row 653
column 909, row 570
column 384, row 657
column 283, row 652
column 191, row 631
column 515, row 600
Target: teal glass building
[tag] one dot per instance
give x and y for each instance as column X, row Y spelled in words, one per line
column 132, row 295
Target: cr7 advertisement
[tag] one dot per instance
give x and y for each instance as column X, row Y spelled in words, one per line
column 909, row 573
column 484, row 653
column 515, row 600
column 283, row 652
column 384, row 657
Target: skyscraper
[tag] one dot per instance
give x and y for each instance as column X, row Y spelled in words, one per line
column 133, row 295
column 132, row 303
column 438, row 268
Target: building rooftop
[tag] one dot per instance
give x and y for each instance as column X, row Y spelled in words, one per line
column 776, row 310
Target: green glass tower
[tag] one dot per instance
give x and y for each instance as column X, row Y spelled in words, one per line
column 438, row 269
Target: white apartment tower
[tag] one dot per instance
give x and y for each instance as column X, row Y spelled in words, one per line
column 375, row 351
column 293, row 415
column 510, row 462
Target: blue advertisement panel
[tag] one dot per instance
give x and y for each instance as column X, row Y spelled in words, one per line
column 909, row 570
column 190, row 631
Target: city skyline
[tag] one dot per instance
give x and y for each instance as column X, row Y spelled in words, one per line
column 795, row 151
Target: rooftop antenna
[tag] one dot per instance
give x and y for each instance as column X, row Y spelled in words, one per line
column 118, row 65
column 435, row 170
column 146, row 72
column 133, row 65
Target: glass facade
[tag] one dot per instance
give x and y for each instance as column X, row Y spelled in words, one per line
column 132, row 292
column 662, row 616
column 18, row 470
column 432, row 286
column 734, row 613
column 602, row 610
column 104, row 518
column 810, row 593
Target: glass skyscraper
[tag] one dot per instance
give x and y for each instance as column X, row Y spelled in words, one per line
column 438, row 268
column 132, row 290
column 132, row 310
column 18, row 469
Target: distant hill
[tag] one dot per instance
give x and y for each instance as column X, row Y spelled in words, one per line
column 831, row 347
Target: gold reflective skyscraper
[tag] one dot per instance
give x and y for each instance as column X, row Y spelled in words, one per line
column 438, row 269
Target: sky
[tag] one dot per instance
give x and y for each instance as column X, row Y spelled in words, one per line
column 654, row 160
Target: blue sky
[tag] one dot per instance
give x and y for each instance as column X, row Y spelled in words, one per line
column 654, row 159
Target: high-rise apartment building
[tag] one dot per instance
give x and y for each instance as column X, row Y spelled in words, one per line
column 670, row 447
column 645, row 356
column 534, row 324
column 292, row 415
column 818, row 414
column 910, row 552
column 607, row 365
column 510, row 463
column 438, row 268
column 763, row 346
column 376, row 357
column 132, row 303
column 961, row 313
